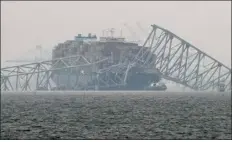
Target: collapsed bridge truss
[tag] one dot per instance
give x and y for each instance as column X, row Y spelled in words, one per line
column 175, row 59
column 29, row 77
column 183, row 63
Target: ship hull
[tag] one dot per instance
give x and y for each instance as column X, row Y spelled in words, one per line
column 75, row 81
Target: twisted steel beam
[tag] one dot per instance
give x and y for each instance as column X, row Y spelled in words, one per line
column 181, row 62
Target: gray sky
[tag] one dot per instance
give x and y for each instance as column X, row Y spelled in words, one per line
column 207, row 25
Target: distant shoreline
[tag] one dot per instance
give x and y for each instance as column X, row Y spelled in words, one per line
column 127, row 92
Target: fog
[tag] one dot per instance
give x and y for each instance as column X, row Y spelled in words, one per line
column 206, row 25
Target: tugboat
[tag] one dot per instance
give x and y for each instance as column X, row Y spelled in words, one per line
column 157, row 87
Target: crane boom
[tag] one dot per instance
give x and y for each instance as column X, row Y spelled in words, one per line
column 131, row 31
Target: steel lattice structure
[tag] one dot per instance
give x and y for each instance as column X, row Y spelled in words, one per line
column 181, row 62
column 174, row 58
column 29, row 77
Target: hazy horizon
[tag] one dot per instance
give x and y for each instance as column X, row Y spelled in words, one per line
column 206, row 25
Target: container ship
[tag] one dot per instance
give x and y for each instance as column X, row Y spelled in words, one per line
column 105, row 75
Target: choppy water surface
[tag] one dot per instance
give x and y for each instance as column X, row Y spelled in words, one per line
column 116, row 115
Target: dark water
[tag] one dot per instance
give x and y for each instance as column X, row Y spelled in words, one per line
column 118, row 116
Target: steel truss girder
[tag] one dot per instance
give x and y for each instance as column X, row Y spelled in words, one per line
column 39, row 74
column 181, row 62
column 30, row 77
